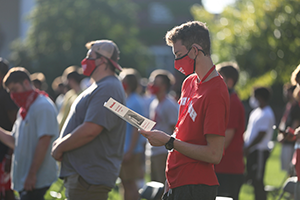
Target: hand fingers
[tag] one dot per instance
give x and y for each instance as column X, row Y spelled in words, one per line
column 143, row 132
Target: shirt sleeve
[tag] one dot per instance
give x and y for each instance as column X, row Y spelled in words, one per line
column 216, row 115
column 98, row 114
column 46, row 121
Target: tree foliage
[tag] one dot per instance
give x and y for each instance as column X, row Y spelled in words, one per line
column 60, row 29
column 261, row 35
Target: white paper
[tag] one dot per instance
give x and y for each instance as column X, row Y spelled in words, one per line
column 129, row 115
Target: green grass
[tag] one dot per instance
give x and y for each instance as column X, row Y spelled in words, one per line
column 273, row 176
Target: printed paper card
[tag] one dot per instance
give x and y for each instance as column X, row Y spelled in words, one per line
column 129, row 115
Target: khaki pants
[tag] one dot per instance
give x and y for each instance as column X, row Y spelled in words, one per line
column 78, row 189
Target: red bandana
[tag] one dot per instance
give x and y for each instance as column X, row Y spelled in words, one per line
column 25, row 99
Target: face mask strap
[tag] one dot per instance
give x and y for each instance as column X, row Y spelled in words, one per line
column 98, row 57
column 184, row 55
column 202, row 51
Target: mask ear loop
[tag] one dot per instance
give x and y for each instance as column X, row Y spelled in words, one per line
column 195, row 59
column 197, row 55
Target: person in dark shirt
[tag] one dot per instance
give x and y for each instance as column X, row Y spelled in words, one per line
column 8, row 112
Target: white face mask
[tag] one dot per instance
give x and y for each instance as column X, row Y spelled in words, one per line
column 253, row 102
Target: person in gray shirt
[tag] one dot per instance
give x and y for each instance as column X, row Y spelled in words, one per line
column 34, row 131
column 91, row 143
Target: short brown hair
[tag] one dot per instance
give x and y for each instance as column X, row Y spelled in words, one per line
column 229, row 70
column 190, row 33
column 16, row 75
column 167, row 77
column 132, row 78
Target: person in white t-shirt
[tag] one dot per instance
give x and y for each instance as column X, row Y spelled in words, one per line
column 164, row 111
column 257, row 136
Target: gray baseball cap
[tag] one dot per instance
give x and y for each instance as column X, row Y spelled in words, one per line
column 108, row 49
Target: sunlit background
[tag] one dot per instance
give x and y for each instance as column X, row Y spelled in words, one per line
column 262, row 36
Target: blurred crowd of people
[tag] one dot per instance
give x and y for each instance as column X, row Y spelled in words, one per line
column 94, row 147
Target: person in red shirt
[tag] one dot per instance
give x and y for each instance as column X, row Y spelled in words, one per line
column 230, row 171
column 198, row 140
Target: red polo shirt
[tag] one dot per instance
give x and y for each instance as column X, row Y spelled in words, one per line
column 207, row 113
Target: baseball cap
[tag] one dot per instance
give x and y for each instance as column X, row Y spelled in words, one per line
column 108, row 49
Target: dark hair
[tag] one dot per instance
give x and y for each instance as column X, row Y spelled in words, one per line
column 16, row 75
column 263, row 92
column 229, row 70
column 4, row 66
column 132, row 81
column 37, row 83
column 190, row 33
column 165, row 79
column 75, row 76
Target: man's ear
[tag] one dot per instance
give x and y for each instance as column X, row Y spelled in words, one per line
column 104, row 60
column 196, row 46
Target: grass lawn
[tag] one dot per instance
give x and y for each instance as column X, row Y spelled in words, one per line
column 274, row 177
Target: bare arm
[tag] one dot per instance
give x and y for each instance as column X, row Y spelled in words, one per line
column 38, row 158
column 280, row 137
column 283, row 136
column 211, row 153
column 166, row 189
column 7, row 165
column 82, row 135
column 297, row 133
column 256, row 140
column 290, row 137
column 7, row 138
column 229, row 133
column 134, row 140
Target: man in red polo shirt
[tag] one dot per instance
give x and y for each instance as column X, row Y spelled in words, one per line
column 198, row 140
column 230, row 171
